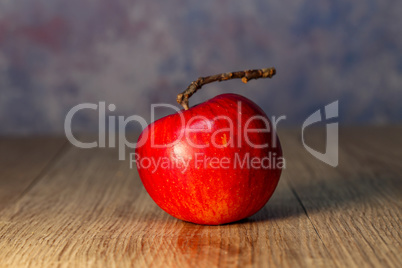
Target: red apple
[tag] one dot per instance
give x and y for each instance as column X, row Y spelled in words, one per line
column 215, row 163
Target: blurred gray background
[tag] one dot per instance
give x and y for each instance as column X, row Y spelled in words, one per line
column 55, row 54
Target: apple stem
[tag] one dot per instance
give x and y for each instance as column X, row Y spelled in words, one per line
column 245, row 76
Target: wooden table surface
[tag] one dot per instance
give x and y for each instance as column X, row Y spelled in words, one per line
column 69, row 207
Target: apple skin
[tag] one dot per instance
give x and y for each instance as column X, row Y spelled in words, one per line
column 205, row 192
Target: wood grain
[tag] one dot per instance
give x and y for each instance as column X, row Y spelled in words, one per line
column 88, row 209
column 356, row 207
column 21, row 162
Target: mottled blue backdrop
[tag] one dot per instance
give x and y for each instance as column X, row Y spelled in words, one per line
column 55, row 54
